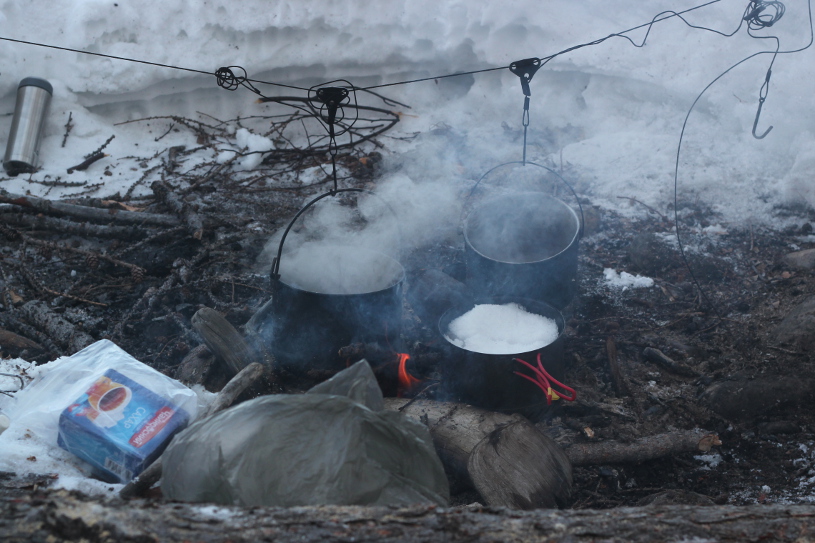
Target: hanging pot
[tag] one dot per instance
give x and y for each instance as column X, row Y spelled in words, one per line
column 327, row 298
column 523, row 244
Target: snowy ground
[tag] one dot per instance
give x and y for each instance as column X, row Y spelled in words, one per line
column 610, row 114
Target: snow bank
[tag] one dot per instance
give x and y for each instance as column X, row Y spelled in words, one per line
column 610, row 112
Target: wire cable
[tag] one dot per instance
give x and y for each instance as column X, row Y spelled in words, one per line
column 755, row 22
column 147, row 62
column 658, row 18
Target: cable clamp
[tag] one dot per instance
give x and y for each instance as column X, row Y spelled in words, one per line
column 525, row 69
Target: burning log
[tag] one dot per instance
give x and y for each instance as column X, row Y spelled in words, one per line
column 503, row 456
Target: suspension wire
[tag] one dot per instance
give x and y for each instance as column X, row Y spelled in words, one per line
column 228, row 80
column 138, row 61
column 658, row 18
column 755, row 22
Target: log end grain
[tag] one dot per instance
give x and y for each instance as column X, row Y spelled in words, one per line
column 517, row 466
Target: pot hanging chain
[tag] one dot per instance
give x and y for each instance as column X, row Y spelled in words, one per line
column 525, row 69
column 328, row 105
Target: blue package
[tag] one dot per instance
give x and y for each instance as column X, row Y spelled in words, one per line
column 119, row 427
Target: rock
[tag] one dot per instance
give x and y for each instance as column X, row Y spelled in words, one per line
column 650, row 255
column 800, row 260
column 743, row 399
column 798, row 327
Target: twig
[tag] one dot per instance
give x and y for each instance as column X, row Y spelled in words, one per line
column 616, row 373
column 82, row 166
column 39, row 286
column 101, row 147
column 646, row 206
column 12, row 233
column 68, row 126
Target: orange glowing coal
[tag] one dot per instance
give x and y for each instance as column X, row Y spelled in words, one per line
column 406, row 380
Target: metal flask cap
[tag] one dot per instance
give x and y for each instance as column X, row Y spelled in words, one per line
column 22, row 149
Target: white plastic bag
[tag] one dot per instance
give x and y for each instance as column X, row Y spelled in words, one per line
column 105, row 407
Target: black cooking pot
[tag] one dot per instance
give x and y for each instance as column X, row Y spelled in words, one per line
column 328, row 297
column 523, row 244
column 488, row 380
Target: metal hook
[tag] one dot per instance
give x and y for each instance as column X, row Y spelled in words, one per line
column 755, row 123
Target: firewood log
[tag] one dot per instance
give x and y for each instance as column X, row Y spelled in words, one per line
column 509, row 461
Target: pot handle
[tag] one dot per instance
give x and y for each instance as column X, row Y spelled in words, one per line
column 275, row 273
column 550, row 170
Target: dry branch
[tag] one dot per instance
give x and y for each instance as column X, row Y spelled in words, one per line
column 88, row 213
column 643, row 449
column 64, row 226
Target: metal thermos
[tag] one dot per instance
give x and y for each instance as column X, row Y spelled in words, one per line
column 33, row 97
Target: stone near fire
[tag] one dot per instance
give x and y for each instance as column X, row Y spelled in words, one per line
column 800, row 260
column 798, row 327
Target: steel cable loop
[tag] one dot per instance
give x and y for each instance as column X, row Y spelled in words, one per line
column 226, row 79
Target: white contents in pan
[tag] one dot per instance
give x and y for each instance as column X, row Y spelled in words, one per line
column 501, row 329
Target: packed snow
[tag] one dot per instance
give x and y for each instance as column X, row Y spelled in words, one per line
column 501, row 329
column 607, row 116
column 625, row 280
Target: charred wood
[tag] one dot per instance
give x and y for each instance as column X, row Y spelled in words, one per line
column 742, row 399
column 165, row 193
column 656, row 356
column 196, row 366
column 620, row 382
column 63, row 332
column 85, row 164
